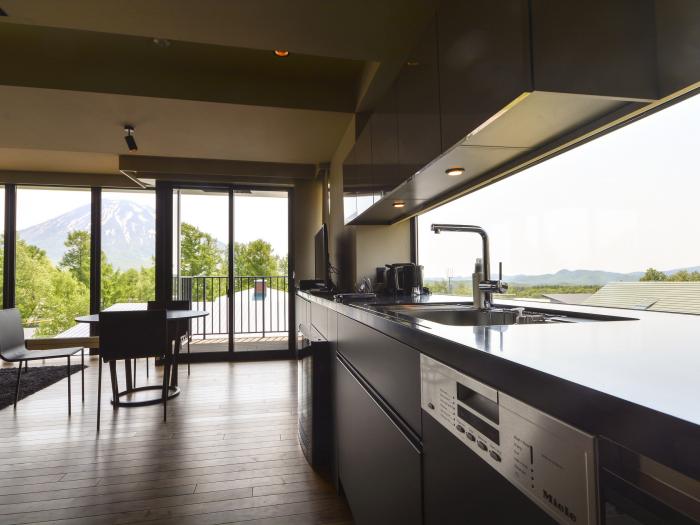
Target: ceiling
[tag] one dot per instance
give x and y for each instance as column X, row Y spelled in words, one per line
column 73, row 76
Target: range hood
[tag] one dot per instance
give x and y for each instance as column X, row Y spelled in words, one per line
column 533, row 126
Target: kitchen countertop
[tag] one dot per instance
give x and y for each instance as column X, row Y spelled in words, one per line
column 634, row 381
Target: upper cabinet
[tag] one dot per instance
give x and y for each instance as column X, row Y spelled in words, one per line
column 484, row 62
column 494, row 86
column 418, row 106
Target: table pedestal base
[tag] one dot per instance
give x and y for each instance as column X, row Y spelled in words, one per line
column 173, row 391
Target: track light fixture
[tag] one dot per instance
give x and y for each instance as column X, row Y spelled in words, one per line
column 129, row 138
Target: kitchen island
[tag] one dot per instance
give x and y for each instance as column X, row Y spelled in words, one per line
column 631, row 381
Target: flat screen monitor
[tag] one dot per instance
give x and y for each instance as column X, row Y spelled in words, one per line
column 322, row 264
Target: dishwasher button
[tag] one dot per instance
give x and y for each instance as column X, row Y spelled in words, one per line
column 431, row 406
column 470, row 436
column 460, row 428
column 495, row 455
column 482, row 445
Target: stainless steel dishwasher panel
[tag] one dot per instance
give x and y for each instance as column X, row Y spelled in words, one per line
column 550, row 462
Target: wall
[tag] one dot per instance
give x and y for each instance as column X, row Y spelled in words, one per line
column 307, row 221
column 356, row 251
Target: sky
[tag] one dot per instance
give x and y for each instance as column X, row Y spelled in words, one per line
column 624, row 202
column 256, row 217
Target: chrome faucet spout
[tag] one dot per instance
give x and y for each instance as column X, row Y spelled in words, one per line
column 486, row 285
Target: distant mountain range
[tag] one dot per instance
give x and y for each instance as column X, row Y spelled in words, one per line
column 128, row 233
column 574, row 277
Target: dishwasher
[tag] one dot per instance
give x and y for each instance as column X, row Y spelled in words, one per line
column 490, row 458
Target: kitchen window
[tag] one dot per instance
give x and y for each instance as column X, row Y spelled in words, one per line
column 613, row 222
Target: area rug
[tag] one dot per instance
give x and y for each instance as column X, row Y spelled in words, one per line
column 33, row 380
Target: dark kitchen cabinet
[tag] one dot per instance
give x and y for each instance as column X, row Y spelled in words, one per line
column 418, row 106
column 379, row 467
column 384, row 139
column 484, row 62
column 391, row 367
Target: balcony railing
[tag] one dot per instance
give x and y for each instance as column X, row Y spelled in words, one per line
column 260, row 303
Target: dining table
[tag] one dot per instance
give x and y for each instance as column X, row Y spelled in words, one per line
column 173, row 318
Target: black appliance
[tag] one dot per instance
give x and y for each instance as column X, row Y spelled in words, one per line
column 321, row 258
column 490, row 458
column 314, row 403
column 636, row 490
column 403, row 279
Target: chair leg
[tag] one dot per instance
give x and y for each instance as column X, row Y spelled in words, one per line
column 166, row 381
column 19, row 376
column 26, row 366
column 99, row 390
column 82, row 373
column 188, row 357
column 69, row 393
column 115, row 387
column 134, row 380
column 147, row 368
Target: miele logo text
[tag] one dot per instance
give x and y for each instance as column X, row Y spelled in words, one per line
column 559, row 506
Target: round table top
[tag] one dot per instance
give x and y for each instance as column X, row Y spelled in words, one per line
column 171, row 315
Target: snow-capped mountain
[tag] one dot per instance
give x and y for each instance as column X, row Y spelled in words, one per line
column 128, row 233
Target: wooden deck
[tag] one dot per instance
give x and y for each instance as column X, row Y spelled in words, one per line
column 228, row 454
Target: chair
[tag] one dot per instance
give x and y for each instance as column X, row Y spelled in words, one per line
column 13, row 349
column 126, row 335
column 182, row 329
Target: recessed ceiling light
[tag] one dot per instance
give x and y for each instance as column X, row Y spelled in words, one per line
column 454, row 172
column 161, row 42
column 412, row 62
column 281, row 52
column 399, row 204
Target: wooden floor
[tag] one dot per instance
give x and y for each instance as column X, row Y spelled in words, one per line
column 228, row 454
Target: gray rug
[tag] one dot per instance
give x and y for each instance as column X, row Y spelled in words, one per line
column 33, row 380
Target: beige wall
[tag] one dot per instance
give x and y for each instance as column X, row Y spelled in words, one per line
column 307, row 221
column 356, row 251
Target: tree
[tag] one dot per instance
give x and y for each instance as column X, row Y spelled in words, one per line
column 200, row 253
column 653, row 275
column 255, row 258
column 66, row 299
column 77, row 257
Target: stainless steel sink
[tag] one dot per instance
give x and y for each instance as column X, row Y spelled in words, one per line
column 466, row 315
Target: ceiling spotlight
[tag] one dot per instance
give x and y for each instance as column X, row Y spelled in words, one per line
column 454, row 172
column 129, row 138
column 281, row 52
column 161, row 42
column 412, row 62
column 399, row 204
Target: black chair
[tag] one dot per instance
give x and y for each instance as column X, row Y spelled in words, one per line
column 182, row 328
column 13, row 349
column 126, row 335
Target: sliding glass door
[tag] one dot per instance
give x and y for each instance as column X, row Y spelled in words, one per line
column 230, row 260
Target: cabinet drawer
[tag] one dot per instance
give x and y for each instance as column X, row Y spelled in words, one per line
column 380, row 469
column 392, row 368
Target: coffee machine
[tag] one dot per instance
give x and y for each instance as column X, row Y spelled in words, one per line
column 400, row 279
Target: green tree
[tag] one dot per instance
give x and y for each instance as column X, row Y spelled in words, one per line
column 653, row 275
column 200, row 253
column 255, row 258
column 77, row 257
column 33, row 280
column 66, row 299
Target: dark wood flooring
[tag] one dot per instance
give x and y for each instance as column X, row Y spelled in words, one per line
column 228, row 454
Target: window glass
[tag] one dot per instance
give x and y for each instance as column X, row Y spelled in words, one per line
column 128, row 247
column 53, row 258
column 612, row 222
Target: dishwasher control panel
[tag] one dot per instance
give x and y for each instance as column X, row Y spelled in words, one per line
column 549, row 461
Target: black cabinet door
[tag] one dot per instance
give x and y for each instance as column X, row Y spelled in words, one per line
column 418, row 106
column 379, row 468
column 385, row 149
column 391, row 367
column 484, row 61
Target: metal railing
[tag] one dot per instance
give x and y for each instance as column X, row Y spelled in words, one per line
column 260, row 303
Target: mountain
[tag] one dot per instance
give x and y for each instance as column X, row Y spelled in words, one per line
column 573, row 277
column 128, row 233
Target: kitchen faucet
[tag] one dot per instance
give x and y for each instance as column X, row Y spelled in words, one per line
column 484, row 287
